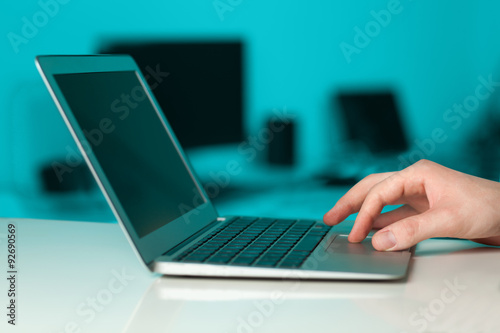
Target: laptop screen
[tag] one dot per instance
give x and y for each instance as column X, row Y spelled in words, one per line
column 134, row 149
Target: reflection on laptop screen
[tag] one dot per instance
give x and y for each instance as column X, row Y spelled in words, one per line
column 132, row 146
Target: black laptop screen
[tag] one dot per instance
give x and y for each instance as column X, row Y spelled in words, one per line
column 132, row 147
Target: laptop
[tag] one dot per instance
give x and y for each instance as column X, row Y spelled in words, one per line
column 161, row 206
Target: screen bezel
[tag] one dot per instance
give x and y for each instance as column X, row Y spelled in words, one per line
column 163, row 239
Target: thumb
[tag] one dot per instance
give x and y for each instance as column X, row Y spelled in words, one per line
column 409, row 231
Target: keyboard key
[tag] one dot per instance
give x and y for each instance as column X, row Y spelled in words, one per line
column 288, row 246
column 308, row 243
column 219, row 260
column 296, row 253
column 195, row 257
column 253, row 250
column 287, row 241
column 295, row 233
column 273, row 255
column 248, row 260
column 290, row 265
column 241, row 263
column 231, row 246
column 206, row 252
column 266, row 263
column 228, row 251
column 260, row 243
column 248, row 255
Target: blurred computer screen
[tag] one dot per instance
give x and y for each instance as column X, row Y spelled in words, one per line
column 373, row 119
column 203, row 95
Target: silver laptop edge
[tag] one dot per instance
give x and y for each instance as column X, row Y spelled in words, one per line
column 324, row 263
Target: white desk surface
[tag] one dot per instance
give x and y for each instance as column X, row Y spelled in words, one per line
column 67, row 283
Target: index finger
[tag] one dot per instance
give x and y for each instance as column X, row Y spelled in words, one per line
column 352, row 201
column 391, row 190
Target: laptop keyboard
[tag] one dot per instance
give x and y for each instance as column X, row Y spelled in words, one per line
column 257, row 242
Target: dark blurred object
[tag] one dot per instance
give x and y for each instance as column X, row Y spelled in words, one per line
column 281, row 147
column 58, row 177
column 373, row 119
column 203, row 95
column 375, row 138
column 482, row 150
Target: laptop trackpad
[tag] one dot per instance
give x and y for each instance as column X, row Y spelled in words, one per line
column 342, row 246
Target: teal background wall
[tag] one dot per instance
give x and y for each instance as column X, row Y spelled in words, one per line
column 431, row 52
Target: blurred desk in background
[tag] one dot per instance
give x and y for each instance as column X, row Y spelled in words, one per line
column 78, row 206
column 84, row 277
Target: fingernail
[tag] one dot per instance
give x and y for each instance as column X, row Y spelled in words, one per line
column 385, row 240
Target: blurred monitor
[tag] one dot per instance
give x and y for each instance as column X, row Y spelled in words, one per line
column 203, row 95
column 373, row 119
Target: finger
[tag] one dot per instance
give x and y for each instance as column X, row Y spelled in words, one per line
column 411, row 230
column 388, row 191
column 351, row 202
column 388, row 218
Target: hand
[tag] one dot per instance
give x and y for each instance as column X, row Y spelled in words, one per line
column 437, row 202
